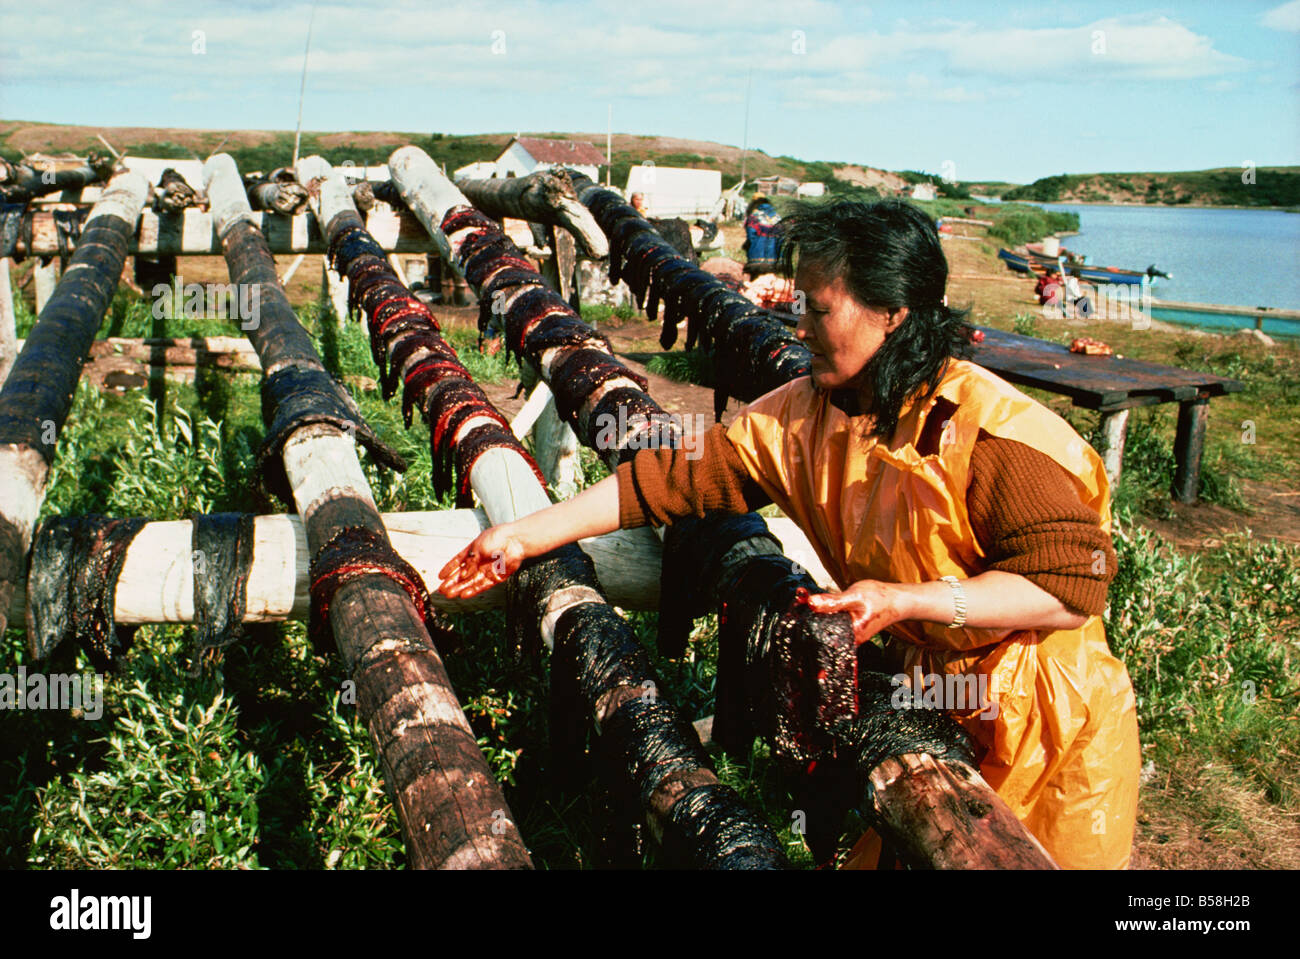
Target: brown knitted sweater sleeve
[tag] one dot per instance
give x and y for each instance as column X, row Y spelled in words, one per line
column 1030, row 520
column 657, row 485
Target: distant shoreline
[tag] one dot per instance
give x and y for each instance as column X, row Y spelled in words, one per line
column 1149, row 206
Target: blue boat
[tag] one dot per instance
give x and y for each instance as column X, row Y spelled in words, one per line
column 1093, row 274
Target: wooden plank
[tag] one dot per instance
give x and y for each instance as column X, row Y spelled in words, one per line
column 1259, row 312
column 1092, row 382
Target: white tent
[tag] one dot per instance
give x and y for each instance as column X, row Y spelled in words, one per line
column 151, row 169
column 674, row 191
column 478, row 170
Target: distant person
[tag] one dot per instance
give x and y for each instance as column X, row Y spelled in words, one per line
column 762, row 237
column 676, row 231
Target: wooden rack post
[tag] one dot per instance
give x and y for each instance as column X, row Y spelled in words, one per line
column 37, row 394
column 452, row 811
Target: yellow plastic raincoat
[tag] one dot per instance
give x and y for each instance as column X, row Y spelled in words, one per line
column 1062, row 749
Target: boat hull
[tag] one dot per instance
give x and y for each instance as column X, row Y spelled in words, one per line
column 1093, row 274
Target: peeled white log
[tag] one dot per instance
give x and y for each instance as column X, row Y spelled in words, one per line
column 334, row 292
column 555, row 446
column 46, row 278
column 157, row 580
column 193, row 231
column 427, row 193
column 8, row 329
column 537, row 401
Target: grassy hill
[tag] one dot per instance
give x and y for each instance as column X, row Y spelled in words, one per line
column 267, row 149
column 1272, row 187
column 989, row 187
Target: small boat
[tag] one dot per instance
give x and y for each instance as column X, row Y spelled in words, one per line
column 1036, row 251
column 1093, row 274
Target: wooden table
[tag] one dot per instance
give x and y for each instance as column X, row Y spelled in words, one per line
column 1113, row 386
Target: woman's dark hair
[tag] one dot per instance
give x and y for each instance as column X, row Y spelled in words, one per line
column 889, row 255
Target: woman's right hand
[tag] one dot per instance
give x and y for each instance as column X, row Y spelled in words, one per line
column 493, row 556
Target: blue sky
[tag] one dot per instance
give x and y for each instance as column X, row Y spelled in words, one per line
column 973, row 90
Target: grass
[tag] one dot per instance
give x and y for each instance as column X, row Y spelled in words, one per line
column 693, row 367
column 1210, row 643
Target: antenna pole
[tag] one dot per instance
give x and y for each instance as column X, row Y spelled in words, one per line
column 302, row 87
column 744, row 149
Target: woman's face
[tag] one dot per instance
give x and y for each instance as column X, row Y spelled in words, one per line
column 841, row 333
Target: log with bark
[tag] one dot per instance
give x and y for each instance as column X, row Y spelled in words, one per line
column 452, row 811
column 547, row 197
column 24, row 181
column 753, row 351
column 599, row 671
column 278, row 191
column 38, row 392
column 173, row 194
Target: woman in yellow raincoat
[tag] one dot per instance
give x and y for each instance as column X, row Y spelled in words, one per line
column 959, row 518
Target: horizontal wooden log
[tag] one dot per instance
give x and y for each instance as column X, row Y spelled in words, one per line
column 157, row 580
column 192, row 232
column 225, row 352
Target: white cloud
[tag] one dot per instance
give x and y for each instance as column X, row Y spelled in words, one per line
column 1285, row 18
column 1118, row 46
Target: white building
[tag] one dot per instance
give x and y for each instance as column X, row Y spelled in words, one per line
column 676, row 191
column 478, row 170
column 525, row 155
column 811, row 189
column 925, row 191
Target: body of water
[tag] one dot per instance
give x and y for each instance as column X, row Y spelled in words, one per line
column 1231, row 257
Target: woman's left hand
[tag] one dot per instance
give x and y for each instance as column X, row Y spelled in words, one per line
column 873, row 605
